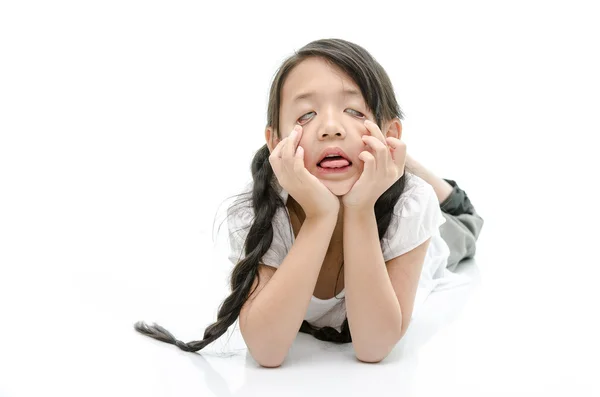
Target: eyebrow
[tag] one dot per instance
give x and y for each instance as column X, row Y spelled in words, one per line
column 345, row 92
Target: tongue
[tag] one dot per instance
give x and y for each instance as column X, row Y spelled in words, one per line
column 334, row 163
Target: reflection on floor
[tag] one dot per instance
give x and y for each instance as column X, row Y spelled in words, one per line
column 483, row 338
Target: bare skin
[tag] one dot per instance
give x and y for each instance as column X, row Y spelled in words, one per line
column 441, row 187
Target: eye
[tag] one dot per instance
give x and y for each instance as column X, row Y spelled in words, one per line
column 356, row 112
column 302, row 118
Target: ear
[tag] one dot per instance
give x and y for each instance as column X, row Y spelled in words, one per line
column 393, row 128
column 271, row 138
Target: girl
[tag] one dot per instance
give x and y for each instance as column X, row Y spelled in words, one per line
column 334, row 189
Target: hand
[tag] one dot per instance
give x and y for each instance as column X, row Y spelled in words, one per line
column 287, row 160
column 381, row 169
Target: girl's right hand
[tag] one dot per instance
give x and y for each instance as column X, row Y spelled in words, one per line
column 287, row 161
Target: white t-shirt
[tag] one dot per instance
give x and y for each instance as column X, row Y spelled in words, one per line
column 417, row 217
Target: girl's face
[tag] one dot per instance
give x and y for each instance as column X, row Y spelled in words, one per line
column 331, row 111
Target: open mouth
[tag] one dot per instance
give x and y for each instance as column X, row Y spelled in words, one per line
column 333, row 162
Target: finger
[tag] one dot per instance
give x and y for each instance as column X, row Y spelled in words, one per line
column 394, row 142
column 369, row 164
column 299, row 159
column 398, row 149
column 291, row 144
column 374, row 142
column 276, row 153
column 275, row 159
column 381, row 150
column 374, row 130
column 280, row 146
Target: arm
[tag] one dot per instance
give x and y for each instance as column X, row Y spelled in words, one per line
column 379, row 295
column 271, row 318
column 442, row 188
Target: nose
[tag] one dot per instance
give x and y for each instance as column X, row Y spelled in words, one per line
column 331, row 127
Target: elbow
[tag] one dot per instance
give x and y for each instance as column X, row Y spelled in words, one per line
column 268, row 353
column 369, row 358
column 378, row 350
column 373, row 356
column 266, row 356
column 267, row 361
column 269, row 364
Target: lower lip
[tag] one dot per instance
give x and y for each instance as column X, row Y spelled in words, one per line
column 334, row 170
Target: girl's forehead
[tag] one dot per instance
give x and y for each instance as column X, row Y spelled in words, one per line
column 315, row 77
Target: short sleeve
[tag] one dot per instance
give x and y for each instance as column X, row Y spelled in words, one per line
column 282, row 240
column 239, row 223
column 417, row 217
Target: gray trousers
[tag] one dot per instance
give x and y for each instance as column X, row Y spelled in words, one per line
column 462, row 227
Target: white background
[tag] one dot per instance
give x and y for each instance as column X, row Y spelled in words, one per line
column 124, row 127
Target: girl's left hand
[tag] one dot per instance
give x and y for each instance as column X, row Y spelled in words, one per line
column 380, row 171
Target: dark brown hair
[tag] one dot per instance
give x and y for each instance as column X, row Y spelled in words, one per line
column 264, row 198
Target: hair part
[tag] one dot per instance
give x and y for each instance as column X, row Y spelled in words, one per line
column 378, row 92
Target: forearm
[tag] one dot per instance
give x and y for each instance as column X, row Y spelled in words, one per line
column 374, row 313
column 278, row 310
column 441, row 187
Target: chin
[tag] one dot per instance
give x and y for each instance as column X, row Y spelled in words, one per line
column 339, row 184
column 341, row 187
